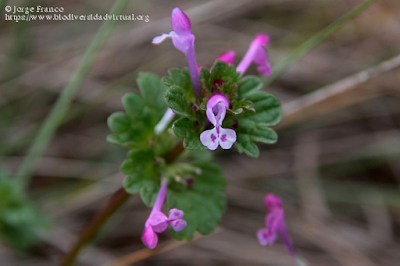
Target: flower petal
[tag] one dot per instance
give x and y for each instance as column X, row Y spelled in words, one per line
column 149, row 238
column 216, row 109
column 175, row 214
column 158, row 221
column 220, row 113
column 178, row 225
column 261, row 60
column 180, row 21
column 227, row 137
column 182, row 42
column 265, row 237
column 161, row 38
column 272, row 202
column 262, row 39
column 211, row 116
column 227, row 57
column 217, row 98
column 258, row 55
column 209, row 138
column 275, row 220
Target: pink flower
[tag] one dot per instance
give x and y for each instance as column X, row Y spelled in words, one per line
column 275, row 224
column 258, row 55
column 216, row 110
column 158, row 222
column 183, row 40
column 227, row 57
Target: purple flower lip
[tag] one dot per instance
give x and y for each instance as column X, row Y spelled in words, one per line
column 218, row 136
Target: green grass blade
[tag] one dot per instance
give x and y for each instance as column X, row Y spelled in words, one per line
column 59, row 110
column 311, row 43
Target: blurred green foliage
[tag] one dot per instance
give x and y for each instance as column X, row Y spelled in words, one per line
column 20, row 223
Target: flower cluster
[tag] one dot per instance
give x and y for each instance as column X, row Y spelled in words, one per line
column 218, row 103
column 275, row 224
column 216, row 107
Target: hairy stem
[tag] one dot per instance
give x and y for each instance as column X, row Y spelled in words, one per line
column 116, row 201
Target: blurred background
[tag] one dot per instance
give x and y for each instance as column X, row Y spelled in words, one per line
column 336, row 164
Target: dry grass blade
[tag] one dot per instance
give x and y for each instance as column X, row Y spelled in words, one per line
column 339, row 94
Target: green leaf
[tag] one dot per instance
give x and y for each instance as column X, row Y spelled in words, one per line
column 136, row 128
column 142, row 174
column 133, row 104
column 152, row 90
column 139, row 161
column 176, row 100
column 247, row 135
column 259, row 134
column 179, row 96
column 179, row 78
column 225, row 72
column 205, row 78
column 188, row 130
column 119, row 122
column 244, row 145
column 149, row 191
column 133, row 183
column 203, row 203
column 252, row 126
column 248, row 85
column 268, row 109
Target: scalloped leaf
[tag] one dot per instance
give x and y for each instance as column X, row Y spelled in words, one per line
column 136, row 127
column 253, row 125
column 247, row 135
column 188, row 130
column 268, row 109
column 248, row 85
column 176, row 100
column 141, row 174
column 179, row 96
column 203, row 202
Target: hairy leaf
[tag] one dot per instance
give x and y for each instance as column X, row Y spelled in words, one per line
column 203, row 202
column 135, row 127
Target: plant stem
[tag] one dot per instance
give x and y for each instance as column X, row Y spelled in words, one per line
column 59, row 110
column 115, row 202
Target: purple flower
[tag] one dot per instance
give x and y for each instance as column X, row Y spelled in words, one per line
column 275, row 224
column 227, row 57
column 225, row 137
column 183, row 40
column 258, row 55
column 158, row 222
